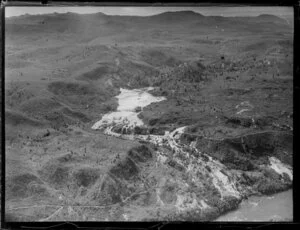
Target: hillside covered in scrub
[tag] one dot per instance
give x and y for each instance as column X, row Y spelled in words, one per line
column 176, row 116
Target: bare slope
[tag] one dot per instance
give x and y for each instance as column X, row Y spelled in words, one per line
column 229, row 80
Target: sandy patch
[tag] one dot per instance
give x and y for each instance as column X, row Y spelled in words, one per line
column 128, row 102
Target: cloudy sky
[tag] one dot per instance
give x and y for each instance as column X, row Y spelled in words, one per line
column 146, row 11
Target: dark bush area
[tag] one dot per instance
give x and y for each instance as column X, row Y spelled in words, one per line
column 140, row 153
column 235, row 160
column 96, row 74
column 260, row 144
column 70, row 88
column 237, row 121
column 157, row 131
column 125, row 169
column 86, row 177
column 76, row 115
column 110, row 192
column 14, row 119
column 141, row 130
column 18, row 186
column 175, row 165
column 269, row 186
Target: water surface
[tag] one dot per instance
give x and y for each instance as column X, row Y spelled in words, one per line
column 278, row 207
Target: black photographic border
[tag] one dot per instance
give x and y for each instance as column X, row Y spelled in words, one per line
column 154, row 225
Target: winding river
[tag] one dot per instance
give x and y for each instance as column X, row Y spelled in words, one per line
column 264, row 208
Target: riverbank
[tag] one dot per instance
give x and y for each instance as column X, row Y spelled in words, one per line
column 277, row 207
column 223, row 187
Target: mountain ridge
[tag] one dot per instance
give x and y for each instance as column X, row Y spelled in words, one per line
column 160, row 15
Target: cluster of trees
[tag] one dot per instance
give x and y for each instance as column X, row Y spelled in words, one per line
column 182, row 82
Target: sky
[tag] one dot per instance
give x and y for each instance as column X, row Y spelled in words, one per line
column 147, row 11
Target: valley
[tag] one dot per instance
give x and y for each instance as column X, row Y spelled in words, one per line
column 171, row 117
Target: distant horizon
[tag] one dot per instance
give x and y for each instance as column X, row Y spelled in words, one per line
column 244, row 11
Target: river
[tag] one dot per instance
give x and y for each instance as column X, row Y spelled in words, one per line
column 264, row 208
column 278, row 207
